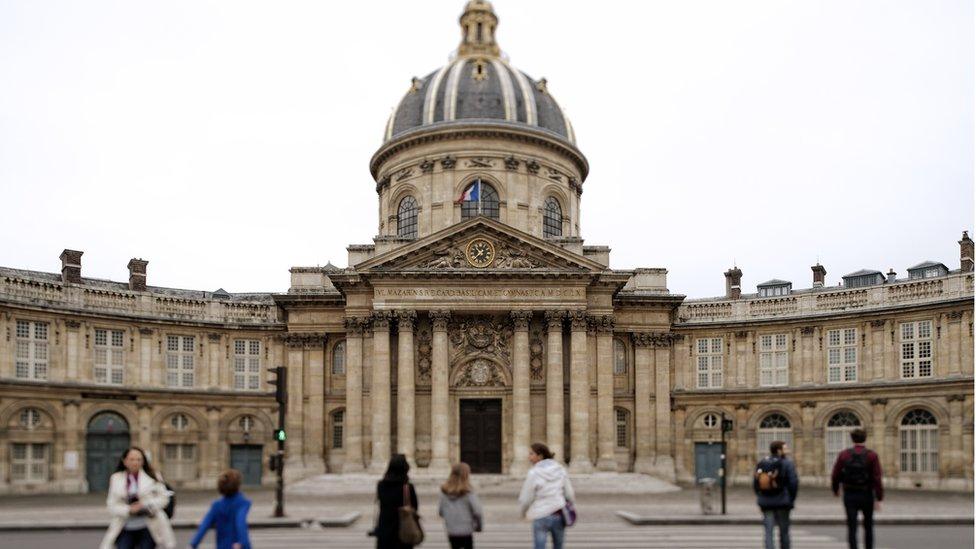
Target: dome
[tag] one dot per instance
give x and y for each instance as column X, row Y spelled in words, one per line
column 478, row 85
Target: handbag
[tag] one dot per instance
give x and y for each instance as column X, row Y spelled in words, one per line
column 410, row 531
column 569, row 514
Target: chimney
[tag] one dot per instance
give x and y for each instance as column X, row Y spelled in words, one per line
column 733, row 283
column 819, row 275
column 71, row 266
column 892, row 276
column 966, row 253
column 137, row 274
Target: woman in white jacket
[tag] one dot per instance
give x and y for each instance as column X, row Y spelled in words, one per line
column 544, row 496
column 136, row 499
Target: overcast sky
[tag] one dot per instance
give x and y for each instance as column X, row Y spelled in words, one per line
column 228, row 141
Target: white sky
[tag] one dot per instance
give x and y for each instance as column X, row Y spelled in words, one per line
column 228, row 141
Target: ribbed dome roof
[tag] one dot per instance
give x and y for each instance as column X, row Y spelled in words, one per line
column 478, row 84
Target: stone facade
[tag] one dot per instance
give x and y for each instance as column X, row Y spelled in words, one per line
column 483, row 304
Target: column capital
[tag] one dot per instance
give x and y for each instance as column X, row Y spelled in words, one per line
column 879, row 401
column 554, row 319
column 440, row 320
column 303, row 341
column 655, row 339
column 601, row 323
column 72, row 324
column 355, row 325
column 577, row 320
column 521, row 319
column 381, row 320
column 956, row 398
column 406, row 320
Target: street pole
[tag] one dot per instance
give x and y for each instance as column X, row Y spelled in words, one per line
column 722, row 469
column 279, row 509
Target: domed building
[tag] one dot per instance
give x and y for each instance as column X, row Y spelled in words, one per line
column 477, row 322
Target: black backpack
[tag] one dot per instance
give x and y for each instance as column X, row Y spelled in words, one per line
column 170, row 508
column 769, row 476
column 855, row 474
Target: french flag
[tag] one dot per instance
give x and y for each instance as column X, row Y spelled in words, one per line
column 472, row 194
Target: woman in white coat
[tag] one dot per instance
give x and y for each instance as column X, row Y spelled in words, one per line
column 137, row 498
column 543, row 497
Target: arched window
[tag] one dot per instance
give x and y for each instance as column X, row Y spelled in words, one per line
column 919, row 434
column 619, row 357
column 407, row 218
column 838, row 431
column 179, row 422
column 552, row 220
column 710, row 420
column 246, row 423
column 772, row 427
column 339, row 359
column 338, row 417
column 623, row 428
column 30, row 418
column 479, row 198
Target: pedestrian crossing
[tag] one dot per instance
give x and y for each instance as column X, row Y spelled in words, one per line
column 581, row 536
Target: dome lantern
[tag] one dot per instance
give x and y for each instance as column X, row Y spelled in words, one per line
column 478, row 24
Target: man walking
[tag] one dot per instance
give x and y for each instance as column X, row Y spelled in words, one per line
column 859, row 470
column 775, row 483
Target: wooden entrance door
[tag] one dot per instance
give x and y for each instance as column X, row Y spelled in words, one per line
column 708, row 460
column 481, row 434
column 246, row 458
column 106, row 439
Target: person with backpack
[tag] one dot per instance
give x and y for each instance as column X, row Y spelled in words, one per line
column 137, row 499
column 859, row 471
column 460, row 508
column 227, row 515
column 776, row 484
column 547, row 498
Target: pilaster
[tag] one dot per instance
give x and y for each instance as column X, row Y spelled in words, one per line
column 606, row 439
column 579, row 396
column 521, row 419
column 439, row 425
column 406, row 419
column 555, row 422
column 353, row 427
column 380, row 392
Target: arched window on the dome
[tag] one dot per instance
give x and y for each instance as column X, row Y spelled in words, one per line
column 552, row 220
column 407, row 218
column 479, row 198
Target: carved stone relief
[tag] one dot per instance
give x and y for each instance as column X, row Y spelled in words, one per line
column 480, row 372
column 536, row 348
column 423, row 349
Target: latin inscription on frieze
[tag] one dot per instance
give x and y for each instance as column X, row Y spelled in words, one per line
column 481, row 293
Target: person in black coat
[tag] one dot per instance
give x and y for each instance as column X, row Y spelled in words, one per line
column 389, row 493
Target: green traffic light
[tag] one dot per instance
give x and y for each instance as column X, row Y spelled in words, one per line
column 280, row 434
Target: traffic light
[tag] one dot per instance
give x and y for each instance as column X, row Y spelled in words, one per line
column 727, row 425
column 279, row 435
column 273, row 462
column 280, row 382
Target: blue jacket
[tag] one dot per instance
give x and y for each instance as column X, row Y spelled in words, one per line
column 785, row 498
column 228, row 515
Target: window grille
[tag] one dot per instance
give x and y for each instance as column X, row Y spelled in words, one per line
column 772, row 427
column 32, row 350
column 339, row 359
column 839, row 427
column 919, row 442
column 109, row 356
column 247, row 364
column 709, row 357
column 179, row 462
column 619, row 358
column 552, row 219
column 774, row 361
column 916, row 349
column 622, row 428
column 407, row 218
column 179, row 361
column 337, row 420
column 29, row 462
column 479, row 198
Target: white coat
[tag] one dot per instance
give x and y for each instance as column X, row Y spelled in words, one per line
column 545, row 490
column 152, row 494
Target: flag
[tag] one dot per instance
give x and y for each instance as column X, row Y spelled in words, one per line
column 472, row 194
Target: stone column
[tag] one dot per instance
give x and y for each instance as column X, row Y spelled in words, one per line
column 213, row 369
column 643, row 380
column 143, row 433
column 579, row 396
column 805, row 452
column 72, row 433
column 353, row 427
column 145, row 357
column 74, row 359
column 440, row 418
column 681, row 450
column 664, row 462
column 606, row 432
column 745, row 452
column 314, row 410
column 554, row 384
column 878, row 436
column 406, row 419
column 380, row 392
column 521, row 421
column 954, row 466
column 212, row 465
column 294, row 419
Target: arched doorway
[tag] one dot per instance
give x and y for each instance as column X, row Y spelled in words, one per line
column 107, row 438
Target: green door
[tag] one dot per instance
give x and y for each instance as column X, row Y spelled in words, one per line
column 247, row 458
column 107, row 438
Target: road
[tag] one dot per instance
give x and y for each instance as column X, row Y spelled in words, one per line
column 617, row 535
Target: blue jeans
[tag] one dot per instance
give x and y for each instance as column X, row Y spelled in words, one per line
column 541, row 528
column 781, row 518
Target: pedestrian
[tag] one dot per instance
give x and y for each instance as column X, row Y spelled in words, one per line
column 859, row 471
column 460, row 508
column 391, row 492
column 776, row 484
column 227, row 515
column 544, row 496
column 136, row 500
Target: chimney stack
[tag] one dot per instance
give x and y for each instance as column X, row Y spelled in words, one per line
column 733, row 283
column 892, row 275
column 71, row 266
column 137, row 274
column 966, row 253
column 819, row 275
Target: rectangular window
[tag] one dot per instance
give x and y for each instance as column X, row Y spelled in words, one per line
column 179, row 361
column 916, row 349
column 31, row 350
column 179, row 462
column 709, row 358
column 337, row 418
column 247, row 364
column 622, row 428
column 109, row 356
column 774, row 361
column 842, row 355
column 28, row 462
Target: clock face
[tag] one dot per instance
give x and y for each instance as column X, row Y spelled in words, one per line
column 480, row 252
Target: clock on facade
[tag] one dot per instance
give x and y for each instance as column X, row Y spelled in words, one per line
column 480, row 252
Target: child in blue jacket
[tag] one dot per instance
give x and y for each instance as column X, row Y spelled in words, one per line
column 227, row 515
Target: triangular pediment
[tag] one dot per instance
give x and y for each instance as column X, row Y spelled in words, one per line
column 508, row 250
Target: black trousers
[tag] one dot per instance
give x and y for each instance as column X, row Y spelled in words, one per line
column 135, row 539
column 862, row 501
column 461, row 542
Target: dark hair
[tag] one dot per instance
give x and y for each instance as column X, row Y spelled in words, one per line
column 229, row 482
column 397, row 469
column 541, row 450
column 145, row 461
column 859, row 435
column 775, row 447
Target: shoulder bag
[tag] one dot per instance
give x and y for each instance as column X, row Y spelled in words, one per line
column 410, row 531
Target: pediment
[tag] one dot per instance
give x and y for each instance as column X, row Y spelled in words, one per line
column 448, row 251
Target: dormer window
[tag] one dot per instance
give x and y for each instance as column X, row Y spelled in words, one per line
column 863, row 278
column 775, row 288
column 928, row 269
